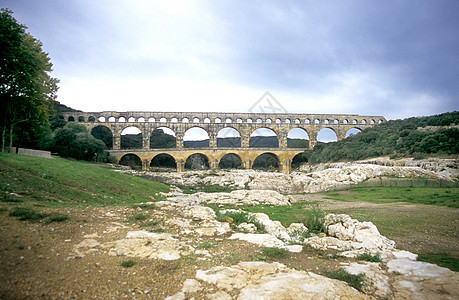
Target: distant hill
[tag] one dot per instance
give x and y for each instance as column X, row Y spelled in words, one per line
column 417, row 136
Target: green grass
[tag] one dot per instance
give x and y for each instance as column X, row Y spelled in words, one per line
column 66, row 182
column 274, row 252
column 442, row 259
column 383, row 194
column 26, row 214
column 311, row 217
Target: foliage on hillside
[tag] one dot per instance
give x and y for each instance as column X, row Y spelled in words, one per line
column 394, row 138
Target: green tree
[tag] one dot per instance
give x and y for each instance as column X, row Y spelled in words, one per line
column 27, row 90
column 74, row 140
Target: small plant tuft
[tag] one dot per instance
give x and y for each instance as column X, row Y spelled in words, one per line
column 274, row 252
column 57, row 218
column 24, row 213
column 314, row 220
column 367, row 256
column 355, row 281
column 128, row 263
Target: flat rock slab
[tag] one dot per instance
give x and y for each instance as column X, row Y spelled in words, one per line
column 261, row 280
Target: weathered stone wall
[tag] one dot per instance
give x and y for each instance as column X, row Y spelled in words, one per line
column 32, row 152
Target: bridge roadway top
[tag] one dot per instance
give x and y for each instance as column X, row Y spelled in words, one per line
column 217, row 117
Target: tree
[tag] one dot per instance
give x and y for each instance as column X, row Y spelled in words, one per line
column 27, row 90
column 74, row 140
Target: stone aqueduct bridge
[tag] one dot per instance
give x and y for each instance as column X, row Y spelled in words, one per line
column 212, row 123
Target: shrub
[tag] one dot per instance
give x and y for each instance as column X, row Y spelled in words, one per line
column 128, row 263
column 314, row 220
column 355, row 281
column 23, row 213
column 57, row 218
column 367, row 256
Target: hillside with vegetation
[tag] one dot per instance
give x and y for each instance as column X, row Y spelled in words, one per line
column 418, row 136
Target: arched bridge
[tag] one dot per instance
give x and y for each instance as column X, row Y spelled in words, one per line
column 244, row 123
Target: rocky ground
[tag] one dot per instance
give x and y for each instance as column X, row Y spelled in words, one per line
column 181, row 250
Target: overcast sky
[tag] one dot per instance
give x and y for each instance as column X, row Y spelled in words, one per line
column 392, row 58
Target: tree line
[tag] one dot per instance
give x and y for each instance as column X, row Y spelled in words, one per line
column 416, row 136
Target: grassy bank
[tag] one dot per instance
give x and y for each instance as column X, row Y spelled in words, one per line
column 65, row 182
column 385, row 194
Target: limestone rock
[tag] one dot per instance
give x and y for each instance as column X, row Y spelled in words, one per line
column 364, row 233
column 274, row 228
column 146, row 244
column 247, row 227
column 261, row 280
column 263, row 240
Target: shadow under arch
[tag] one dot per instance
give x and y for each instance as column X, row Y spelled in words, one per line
column 264, row 137
column 298, row 160
column 266, row 161
column 197, row 161
column 104, row 134
column 131, row 160
column 163, row 161
column 230, row 161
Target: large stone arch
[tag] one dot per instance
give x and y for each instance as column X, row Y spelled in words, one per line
column 230, row 161
column 131, row 140
column 229, row 140
column 200, row 165
column 263, row 161
column 132, row 160
column 200, row 143
column 327, row 139
column 260, row 142
column 163, row 160
column 159, row 140
column 103, row 133
column 296, row 135
column 352, row 131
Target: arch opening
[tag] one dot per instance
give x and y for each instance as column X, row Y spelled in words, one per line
column 230, row 161
column 352, row 132
column 162, row 137
column 104, row 134
column 163, row 162
column 197, row 161
column 131, row 160
column 326, row 135
column 131, row 138
column 263, row 138
column 298, row 160
column 71, row 119
column 266, row 161
column 80, row 119
column 228, row 137
column 196, row 137
column 297, row 138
